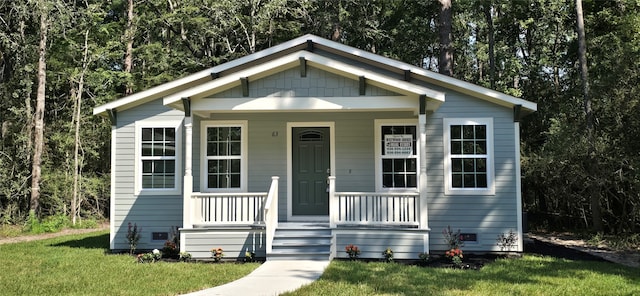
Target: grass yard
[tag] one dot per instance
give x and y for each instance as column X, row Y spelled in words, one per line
column 79, row 265
column 530, row 275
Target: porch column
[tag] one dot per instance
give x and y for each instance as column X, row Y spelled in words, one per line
column 187, row 184
column 424, row 215
column 333, row 202
column 422, row 122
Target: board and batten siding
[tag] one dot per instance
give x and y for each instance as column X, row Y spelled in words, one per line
column 152, row 213
column 317, row 83
column 484, row 215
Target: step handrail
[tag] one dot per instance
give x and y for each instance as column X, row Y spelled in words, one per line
column 271, row 213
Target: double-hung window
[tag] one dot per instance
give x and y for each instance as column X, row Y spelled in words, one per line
column 224, row 163
column 468, row 156
column 157, row 157
column 397, row 154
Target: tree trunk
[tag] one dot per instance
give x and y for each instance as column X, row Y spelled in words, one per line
column 492, row 60
column 38, row 143
column 128, row 55
column 591, row 160
column 445, row 64
column 75, row 201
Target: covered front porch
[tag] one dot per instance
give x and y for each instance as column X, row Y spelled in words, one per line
column 348, row 147
column 248, row 222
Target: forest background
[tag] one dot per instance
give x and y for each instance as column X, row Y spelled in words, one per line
column 580, row 151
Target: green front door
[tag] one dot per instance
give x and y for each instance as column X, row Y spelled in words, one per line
column 311, row 153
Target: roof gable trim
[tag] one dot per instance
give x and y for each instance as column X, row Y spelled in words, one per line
column 293, row 60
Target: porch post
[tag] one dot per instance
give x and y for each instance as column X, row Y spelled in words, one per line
column 187, row 184
column 424, row 217
column 422, row 122
column 333, row 202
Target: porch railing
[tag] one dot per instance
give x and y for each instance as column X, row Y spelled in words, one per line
column 373, row 208
column 238, row 209
column 228, row 208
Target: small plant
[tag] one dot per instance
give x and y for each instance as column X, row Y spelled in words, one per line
column 452, row 239
column 151, row 257
column 424, row 257
column 249, row 256
column 156, row 254
column 507, row 241
column 456, row 256
column 353, row 251
column 184, row 256
column 217, row 254
column 596, row 240
column 133, row 236
column 170, row 250
column 388, row 255
column 33, row 224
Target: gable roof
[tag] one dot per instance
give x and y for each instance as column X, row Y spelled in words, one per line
column 287, row 55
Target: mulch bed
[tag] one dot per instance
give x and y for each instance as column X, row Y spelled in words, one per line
column 473, row 261
column 477, row 261
column 558, row 251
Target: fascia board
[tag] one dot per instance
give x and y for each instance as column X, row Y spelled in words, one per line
column 165, row 88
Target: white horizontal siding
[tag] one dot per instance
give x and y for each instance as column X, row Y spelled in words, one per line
column 150, row 213
column 405, row 245
column 486, row 216
column 354, row 148
column 234, row 243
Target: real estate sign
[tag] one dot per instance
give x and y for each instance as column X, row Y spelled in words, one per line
column 398, row 145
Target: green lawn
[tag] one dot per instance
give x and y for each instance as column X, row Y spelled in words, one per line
column 529, row 275
column 81, row 265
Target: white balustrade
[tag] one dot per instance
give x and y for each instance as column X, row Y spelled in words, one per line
column 229, row 208
column 373, row 208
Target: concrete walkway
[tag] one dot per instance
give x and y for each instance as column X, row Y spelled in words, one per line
column 271, row 278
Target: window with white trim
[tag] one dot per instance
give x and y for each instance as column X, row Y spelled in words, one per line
column 224, row 147
column 157, row 157
column 468, row 156
column 397, row 154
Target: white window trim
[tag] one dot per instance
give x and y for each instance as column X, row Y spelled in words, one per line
column 244, row 138
column 378, row 123
column 139, row 125
column 448, row 188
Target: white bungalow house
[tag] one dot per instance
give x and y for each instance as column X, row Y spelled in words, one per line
column 308, row 146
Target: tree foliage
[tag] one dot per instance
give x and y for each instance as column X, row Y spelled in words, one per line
column 524, row 48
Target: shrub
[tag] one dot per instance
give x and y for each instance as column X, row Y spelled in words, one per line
column 184, row 256
column 133, row 236
column 507, row 241
column 170, row 249
column 33, row 225
column 388, row 255
column 424, row 257
column 217, row 254
column 55, row 223
column 150, row 257
column 456, row 256
column 452, row 239
column 249, row 256
column 353, row 251
column 85, row 223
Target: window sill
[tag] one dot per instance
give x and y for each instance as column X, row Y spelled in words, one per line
column 488, row 192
